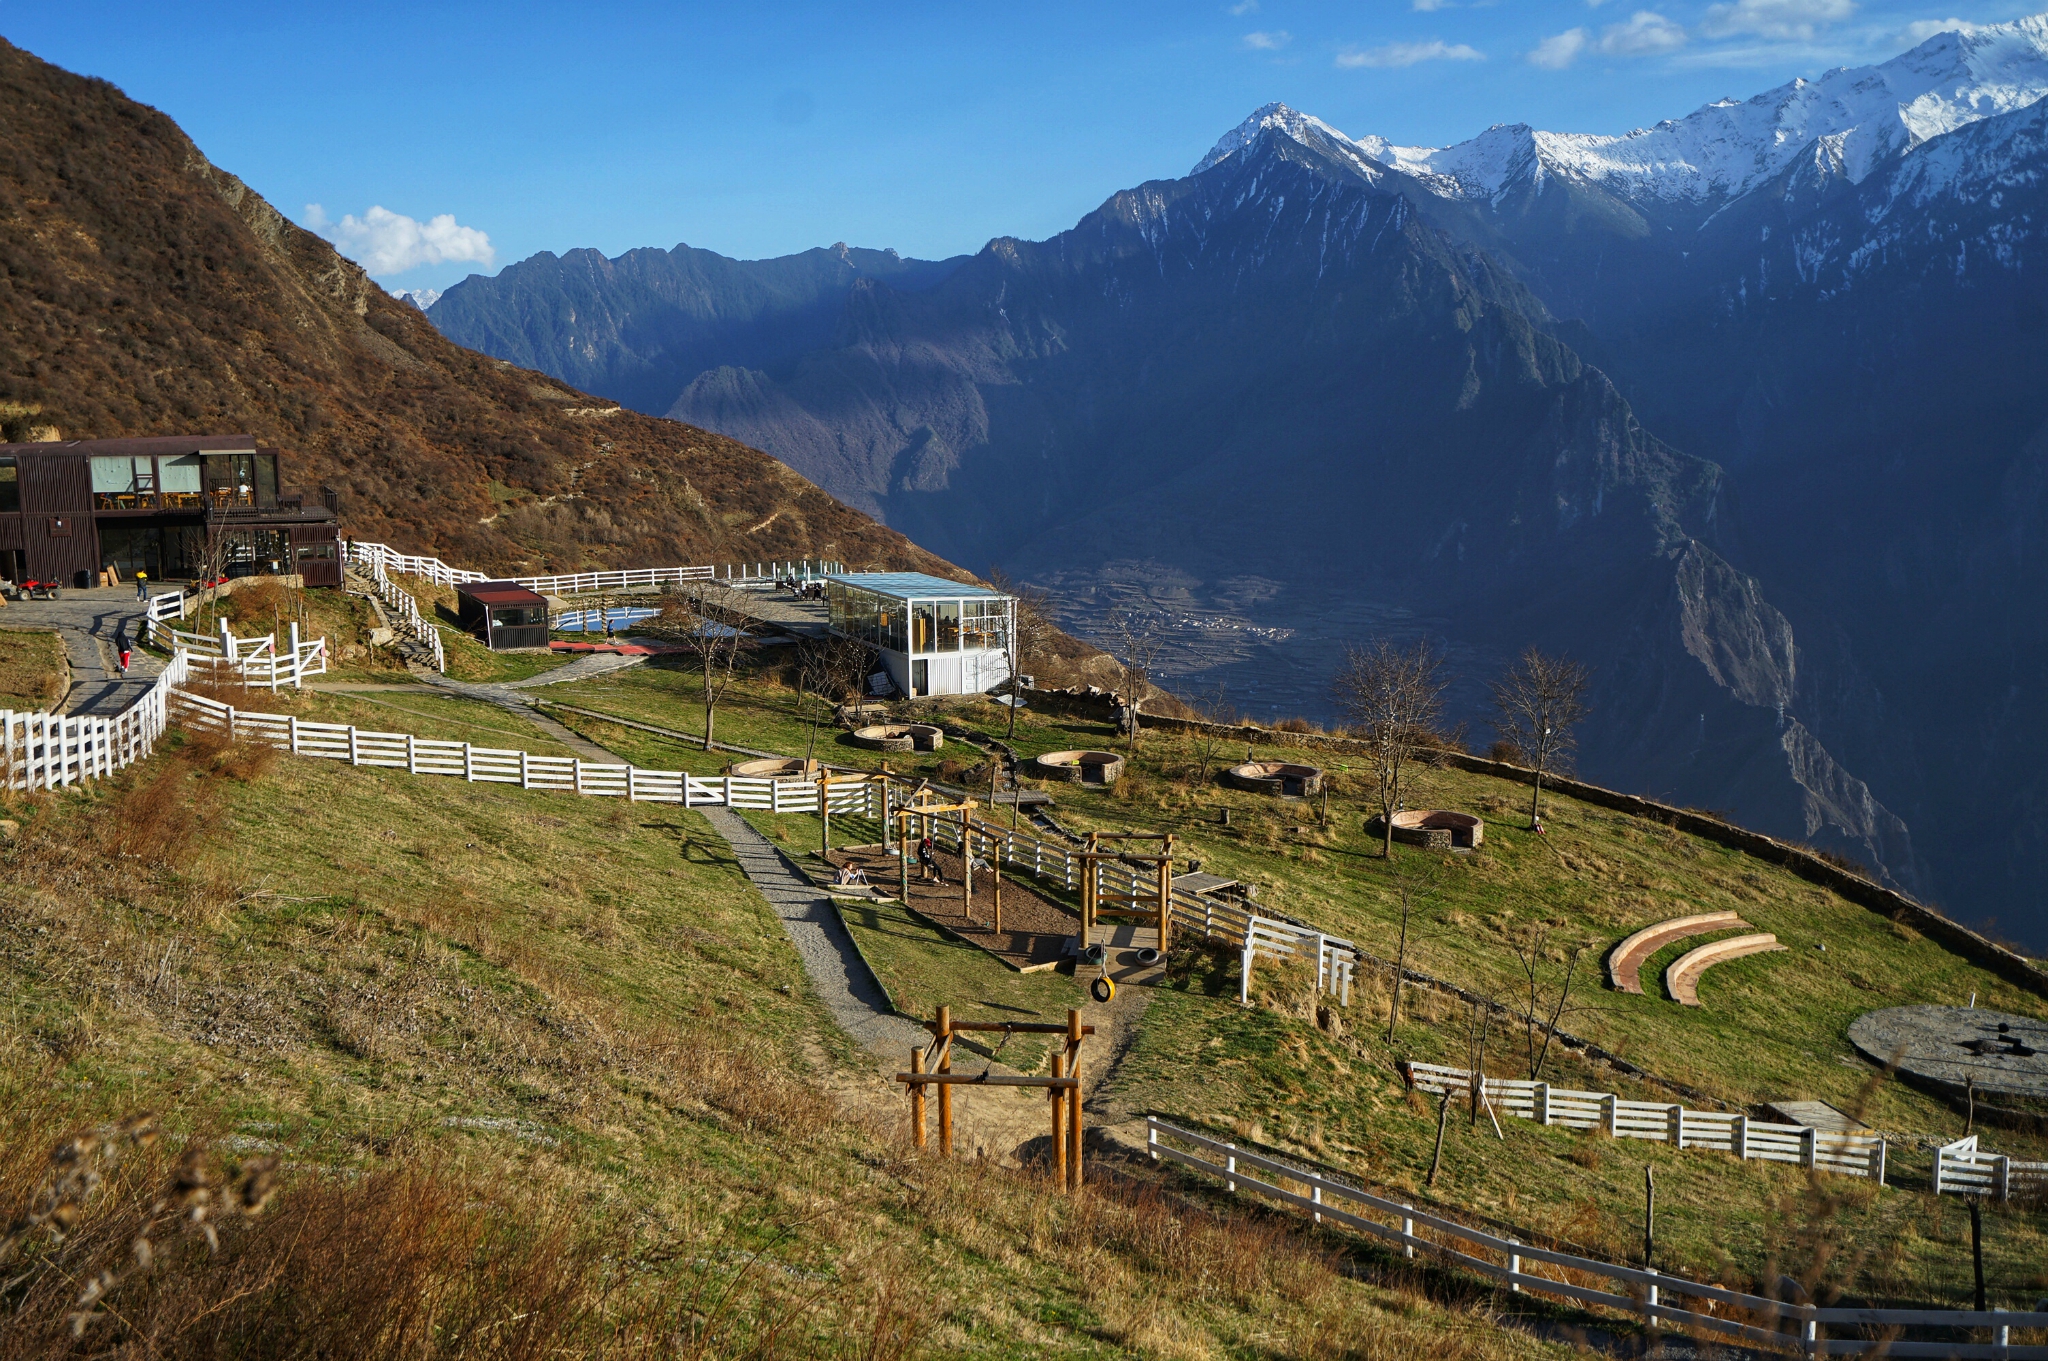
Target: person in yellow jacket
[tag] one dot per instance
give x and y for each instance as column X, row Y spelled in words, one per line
column 142, row 585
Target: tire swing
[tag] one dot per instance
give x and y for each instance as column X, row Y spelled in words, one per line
column 1103, row 988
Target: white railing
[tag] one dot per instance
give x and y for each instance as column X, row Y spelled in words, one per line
column 1646, row 1294
column 405, row 611
column 574, row 583
column 1855, row 1155
column 49, row 751
column 1963, row 1169
column 255, row 661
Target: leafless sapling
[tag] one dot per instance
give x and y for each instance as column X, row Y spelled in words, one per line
column 1478, row 1030
column 1135, row 645
column 1539, row 703
column 1212, row 707
column 1543, row 1013
column 705, row 615
column 1030, row 634
column 1394, row 696
column 1410, row 891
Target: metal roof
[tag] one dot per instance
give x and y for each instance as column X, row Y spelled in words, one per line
column 915, row 586
column 499, row 593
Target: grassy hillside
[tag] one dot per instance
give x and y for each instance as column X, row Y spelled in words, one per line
column 1320, row 1081
column 543, row 1077
column 32, row 668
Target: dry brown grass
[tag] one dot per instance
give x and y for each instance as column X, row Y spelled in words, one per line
column 31, row 669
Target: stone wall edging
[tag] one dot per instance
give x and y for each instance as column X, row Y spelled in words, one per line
column 1094, row 702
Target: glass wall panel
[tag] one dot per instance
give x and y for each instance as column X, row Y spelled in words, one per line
column 984, row 625
column 893, row 626
column 949, row 626
column 923, row 626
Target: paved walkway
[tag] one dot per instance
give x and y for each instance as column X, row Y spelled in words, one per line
column 88, row 620
column 838, row 974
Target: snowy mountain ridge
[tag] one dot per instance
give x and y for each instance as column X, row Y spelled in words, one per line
column 1867, row 116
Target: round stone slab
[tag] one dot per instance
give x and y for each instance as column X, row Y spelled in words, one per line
column 1953, row 1046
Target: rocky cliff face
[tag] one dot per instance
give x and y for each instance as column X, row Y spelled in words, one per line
column 144, row 291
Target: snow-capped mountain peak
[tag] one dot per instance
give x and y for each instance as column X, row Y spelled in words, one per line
column 1858, row 119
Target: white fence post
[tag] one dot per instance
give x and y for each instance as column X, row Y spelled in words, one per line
column 1677, row 1126
column 1809, row 1147
column 1542, row 1095
column 1738, row 1134
column 1610, row 1112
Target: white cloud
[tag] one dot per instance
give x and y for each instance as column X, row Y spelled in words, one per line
column 1409, row 54
column 384, row 242
column 1921, row 30
column 1268, row 42
column 1244, row 7
column 1559, row 50
column 1794, row 20
column 1646, row 34
column 1431, row 6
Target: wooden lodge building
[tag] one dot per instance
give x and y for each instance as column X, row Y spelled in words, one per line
column 71, row 508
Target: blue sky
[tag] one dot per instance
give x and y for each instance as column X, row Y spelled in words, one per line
column 761, row 129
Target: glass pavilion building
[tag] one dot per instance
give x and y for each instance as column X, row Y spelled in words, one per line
column 936, row 637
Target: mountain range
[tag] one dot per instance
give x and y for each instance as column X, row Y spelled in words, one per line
column 144, row 290
column 1748, row 410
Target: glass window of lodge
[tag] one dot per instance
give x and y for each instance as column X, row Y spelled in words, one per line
column 180, row 475
column 10, row 485
column 984, row 625
column 949, row 625
column 923, row 626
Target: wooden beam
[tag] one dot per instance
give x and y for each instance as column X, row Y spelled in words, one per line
column 945, row 1033
column 1017, row 1027
column 917, row 1098
column 943, row 1080
column 1059, row 1133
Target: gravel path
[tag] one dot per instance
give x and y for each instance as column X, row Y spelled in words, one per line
column 835, row 968
column 88, row 621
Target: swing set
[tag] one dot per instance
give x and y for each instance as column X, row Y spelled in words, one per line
column 932, row 1066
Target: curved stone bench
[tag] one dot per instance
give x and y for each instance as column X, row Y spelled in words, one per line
column 1434, row 828
column 1274, row 777
column 1682, row 979
column 1079, row 767
column 774, row 768
column 899, row 737
column 1625, row 964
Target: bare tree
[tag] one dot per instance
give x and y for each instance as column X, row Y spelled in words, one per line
column 704, row 614
column 828, row 670
column 1411, row 890
column 1031, row 630
column 1478, row 1029
column 1530, row 952
column 1212, row 708
column 1134, row 644
column 1539, row 701
column 1395, row 695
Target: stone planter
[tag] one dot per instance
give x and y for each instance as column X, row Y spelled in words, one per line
column 1434, row 828
column 1079, row 767
column 899, row 737
column 793, row 768
column 1274, row 777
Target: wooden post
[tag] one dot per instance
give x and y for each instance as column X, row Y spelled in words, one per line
column 1059, row 1133
column 824, row 814
column 945, row 1029
column 1074, row 1126
column 917, row 1098
column 1165, row 887
column 966, row 865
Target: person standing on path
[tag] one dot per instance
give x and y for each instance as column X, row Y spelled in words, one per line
column 123, row 647
column 142, row 585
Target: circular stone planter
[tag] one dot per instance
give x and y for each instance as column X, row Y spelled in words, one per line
column 899, row 737
column 1274, row 777
column 1435, row 828
column 794, row 768
column 1079, row 767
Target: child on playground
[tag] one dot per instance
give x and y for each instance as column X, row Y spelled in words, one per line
column 928, row 861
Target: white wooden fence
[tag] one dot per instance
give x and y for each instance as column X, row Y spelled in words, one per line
column 1649, row 1295
column 1963, row 1169
column 255, row 661
column 572, row 583
column 49, row 751
column 1855, row 1155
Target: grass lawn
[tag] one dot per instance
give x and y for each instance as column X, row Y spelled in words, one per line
column 573, row 1024
column 32, row 669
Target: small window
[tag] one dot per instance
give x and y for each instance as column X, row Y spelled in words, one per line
column 60, row 526
column 518, row 616
column 10, row 485
column 321, row 552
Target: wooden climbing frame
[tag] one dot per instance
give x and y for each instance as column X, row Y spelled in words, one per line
column 919, row 809
column 932, row 1066
column 1153, row 902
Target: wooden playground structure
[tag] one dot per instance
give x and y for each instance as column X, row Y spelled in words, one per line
column 1149, row 902
column 923, row 813
column 932, row 1066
